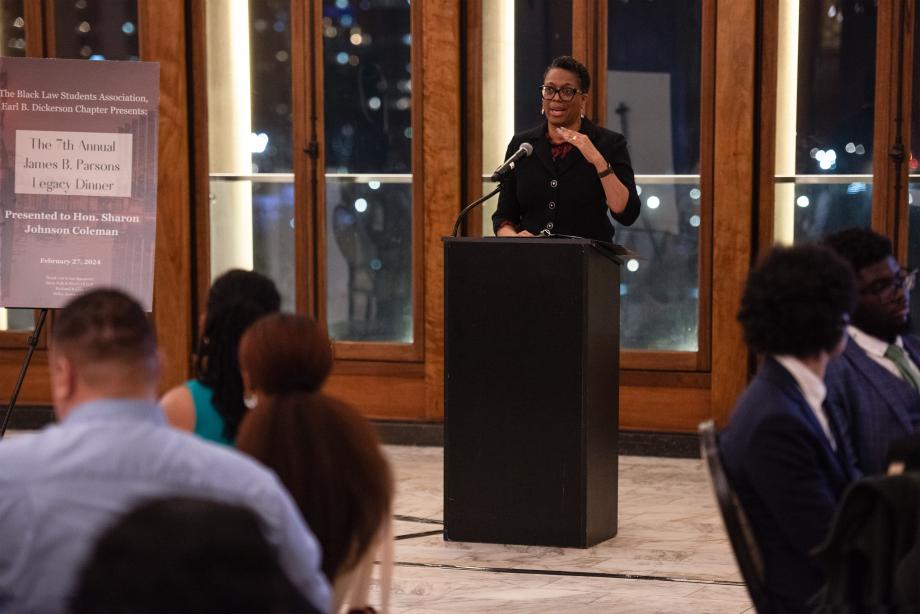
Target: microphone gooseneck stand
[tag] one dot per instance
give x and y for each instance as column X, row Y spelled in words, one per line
column 30, row 349
column 472, row 206
column 506, row 167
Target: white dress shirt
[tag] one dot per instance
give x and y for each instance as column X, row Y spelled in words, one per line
column 875, row 348
column 813, row 389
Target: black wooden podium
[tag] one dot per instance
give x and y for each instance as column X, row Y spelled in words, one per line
column 531, row 400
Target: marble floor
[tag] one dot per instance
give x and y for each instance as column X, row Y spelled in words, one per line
column 670, row 555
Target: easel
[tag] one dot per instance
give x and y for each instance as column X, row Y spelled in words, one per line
column 30, row 349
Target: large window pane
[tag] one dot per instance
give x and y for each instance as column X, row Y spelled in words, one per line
column 820, row 206
column 13, row 44
column 95, row 30
column 270, row 217
column 653, row 98
column 12, row 29
column 368, row 290
column 250, row 140
column 368, row 126
column 825, row 108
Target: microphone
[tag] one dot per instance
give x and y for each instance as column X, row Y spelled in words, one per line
column 508, row 165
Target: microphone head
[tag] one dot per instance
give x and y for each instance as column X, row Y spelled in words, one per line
column 527, row 147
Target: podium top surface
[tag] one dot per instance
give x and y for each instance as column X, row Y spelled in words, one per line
column 614, row 250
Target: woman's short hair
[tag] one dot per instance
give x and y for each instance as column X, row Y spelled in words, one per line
column 325, row 453
column 567, row 62
column 797, row 301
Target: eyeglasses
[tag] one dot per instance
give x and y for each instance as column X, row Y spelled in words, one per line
column 565, row 93
column 886, row 289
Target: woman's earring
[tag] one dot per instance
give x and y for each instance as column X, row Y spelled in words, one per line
column 542, row 111
column 251, row 401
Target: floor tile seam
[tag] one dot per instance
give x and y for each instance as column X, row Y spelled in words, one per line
column 417, row 519
column 570, row 573
column 419, row 534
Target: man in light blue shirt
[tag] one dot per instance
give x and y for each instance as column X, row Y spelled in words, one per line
column 111, row 450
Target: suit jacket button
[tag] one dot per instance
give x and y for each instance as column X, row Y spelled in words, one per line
column 549, row 225
column 552, row 205
column 553, row 183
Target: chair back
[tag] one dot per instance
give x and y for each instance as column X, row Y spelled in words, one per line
column 744, row 544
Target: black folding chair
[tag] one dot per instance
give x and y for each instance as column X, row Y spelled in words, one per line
column 744, row 545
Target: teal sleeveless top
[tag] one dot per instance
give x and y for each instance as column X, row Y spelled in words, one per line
column 208, row 423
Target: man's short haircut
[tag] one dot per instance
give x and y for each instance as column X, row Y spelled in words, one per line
column 567, row 62
column 861, row 246
column 797, row 301
column 104, row 325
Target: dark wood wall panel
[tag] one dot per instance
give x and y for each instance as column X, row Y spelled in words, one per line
column 162, row 27
column 442, row 152
column 36, row 387
column 672, row 409
column 733, row 195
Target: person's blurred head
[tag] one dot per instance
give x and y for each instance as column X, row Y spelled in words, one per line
column 285, row 352
column 184, row 555
column 797, row 302
column 102, row 346
column 236, row 300
column 883, row 299
column 325, row 453
column 564, row 91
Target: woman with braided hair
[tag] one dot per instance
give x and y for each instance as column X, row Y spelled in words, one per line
column 211, row 405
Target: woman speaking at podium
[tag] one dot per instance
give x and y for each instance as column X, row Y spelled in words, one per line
column 578, row 171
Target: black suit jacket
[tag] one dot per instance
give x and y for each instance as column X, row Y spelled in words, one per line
column 872, row 555
column 788, row 479
column 874, row 406
column 565, row 196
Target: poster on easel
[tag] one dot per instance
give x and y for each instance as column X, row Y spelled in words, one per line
column 78, row 179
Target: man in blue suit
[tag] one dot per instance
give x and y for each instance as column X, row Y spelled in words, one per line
column 784, row 455
column 874, row 387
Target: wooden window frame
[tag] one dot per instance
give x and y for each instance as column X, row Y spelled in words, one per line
column 893, row 64
column 589, row 41
column 316, row 196
column 310, row 240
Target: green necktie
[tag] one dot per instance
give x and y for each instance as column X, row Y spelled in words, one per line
column 899, row 358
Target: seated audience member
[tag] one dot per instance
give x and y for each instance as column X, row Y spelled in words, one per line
column 185, row 556
column 61, row 487
column 211, row 405
column 874, row 385
column 782, row 453
column 326, row 453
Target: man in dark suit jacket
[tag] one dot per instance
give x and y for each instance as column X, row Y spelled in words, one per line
column 783, row 454
column 873, row 387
